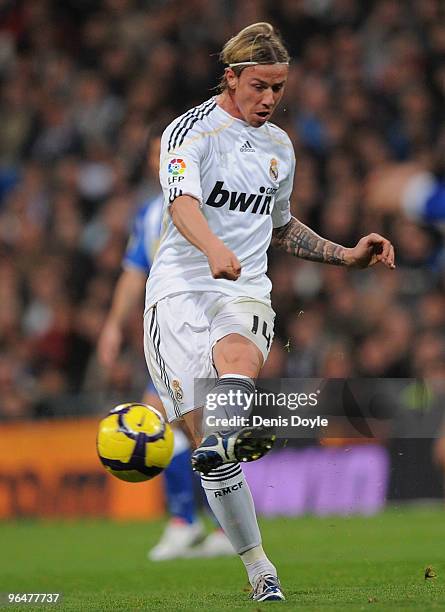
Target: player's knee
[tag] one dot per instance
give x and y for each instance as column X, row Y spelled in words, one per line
column 247, row 365
column 237, row 355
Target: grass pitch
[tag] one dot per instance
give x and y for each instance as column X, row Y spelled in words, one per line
column 325, row 564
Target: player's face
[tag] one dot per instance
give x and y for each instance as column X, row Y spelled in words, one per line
column 257, row 91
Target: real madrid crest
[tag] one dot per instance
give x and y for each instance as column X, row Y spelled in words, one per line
column 177, row 390
column 273, row 169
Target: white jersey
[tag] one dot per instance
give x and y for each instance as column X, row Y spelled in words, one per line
column 243, row 177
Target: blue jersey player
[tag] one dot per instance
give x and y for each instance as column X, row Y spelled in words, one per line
column 184, row 534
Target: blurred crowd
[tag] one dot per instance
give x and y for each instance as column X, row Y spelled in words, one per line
column 82, row 83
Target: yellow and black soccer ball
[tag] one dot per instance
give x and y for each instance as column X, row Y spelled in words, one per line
column 134, row 442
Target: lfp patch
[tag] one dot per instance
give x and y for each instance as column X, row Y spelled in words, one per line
column 176, row 167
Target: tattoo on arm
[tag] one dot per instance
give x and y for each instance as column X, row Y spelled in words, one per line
column 299, row 240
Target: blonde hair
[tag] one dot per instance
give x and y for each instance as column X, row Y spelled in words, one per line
column 258, row 43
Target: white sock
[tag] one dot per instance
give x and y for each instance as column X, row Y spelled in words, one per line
column 231, row 501
column 256, row 563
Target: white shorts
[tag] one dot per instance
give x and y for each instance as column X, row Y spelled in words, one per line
column 180, row 332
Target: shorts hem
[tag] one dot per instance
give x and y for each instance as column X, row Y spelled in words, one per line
column 150, row 302
column 183, row 412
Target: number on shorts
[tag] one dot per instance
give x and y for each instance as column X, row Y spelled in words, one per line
column 254, row 330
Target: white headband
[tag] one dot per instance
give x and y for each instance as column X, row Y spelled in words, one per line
column 257, row 64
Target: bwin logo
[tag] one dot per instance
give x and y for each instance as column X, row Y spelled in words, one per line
column 228, row 490
column 258, row 202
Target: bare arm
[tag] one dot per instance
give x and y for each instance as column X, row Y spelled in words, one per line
column 299, row 240
column 128, row 292
column 191, row 223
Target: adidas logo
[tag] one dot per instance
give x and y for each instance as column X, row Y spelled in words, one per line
column 247, row 148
